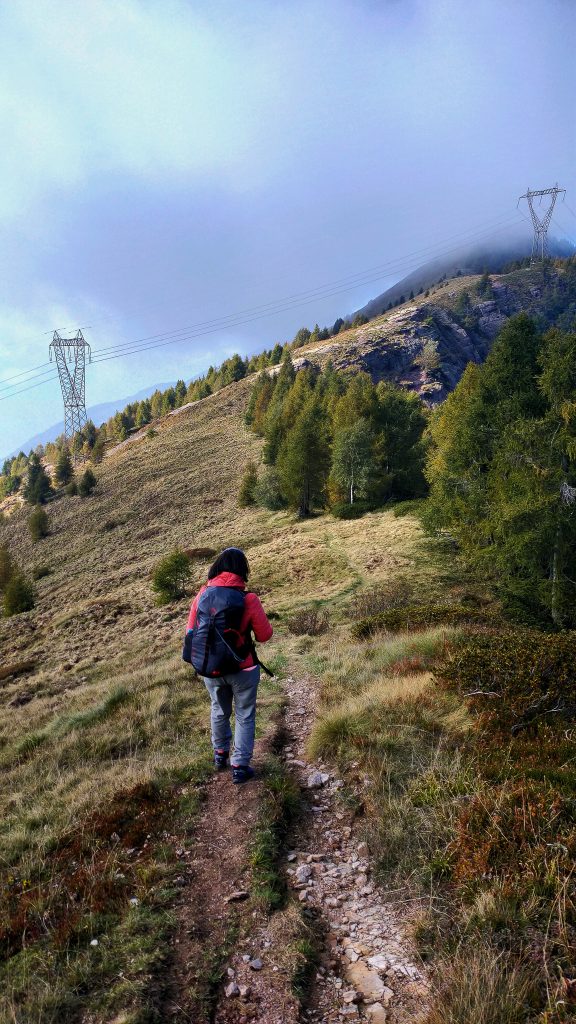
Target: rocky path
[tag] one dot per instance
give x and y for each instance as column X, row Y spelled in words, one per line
column 367, row 971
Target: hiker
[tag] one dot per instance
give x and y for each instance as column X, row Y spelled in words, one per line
column 219, row 645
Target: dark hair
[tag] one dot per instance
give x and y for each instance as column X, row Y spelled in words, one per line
column 230, row 560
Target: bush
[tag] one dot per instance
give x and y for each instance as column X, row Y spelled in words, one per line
column 170, row 577
column 87, row 483
column 267, row 492
column 395, row 594
column 517, row 678
column 41, row 571
column 72, row 488
column 248, row 486
column 18, row 595
column 39, row 523
column 396, row 619
column 344, row 510
column 310, row 621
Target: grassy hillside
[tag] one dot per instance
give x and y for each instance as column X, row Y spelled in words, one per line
column 100, row 721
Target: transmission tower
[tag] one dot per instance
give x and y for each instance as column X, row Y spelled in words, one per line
column 70, row 355
column 541, row 223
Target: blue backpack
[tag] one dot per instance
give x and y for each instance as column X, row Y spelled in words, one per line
column 214, row 646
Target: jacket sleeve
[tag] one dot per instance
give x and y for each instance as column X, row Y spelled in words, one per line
column 258, row 621
column 192, row 615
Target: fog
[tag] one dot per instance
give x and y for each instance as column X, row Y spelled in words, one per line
column 166, row 164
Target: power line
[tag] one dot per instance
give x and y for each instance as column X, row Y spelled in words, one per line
column 269, row 308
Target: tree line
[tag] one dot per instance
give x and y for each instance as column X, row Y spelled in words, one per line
column 502, row 470
column 333, row 439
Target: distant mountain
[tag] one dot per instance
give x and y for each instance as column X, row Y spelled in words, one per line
column 97, row 413
column 465, row 262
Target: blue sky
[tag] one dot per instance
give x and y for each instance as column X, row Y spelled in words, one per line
column 167, row 163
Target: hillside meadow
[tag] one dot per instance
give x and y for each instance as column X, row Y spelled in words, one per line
column 102, row 724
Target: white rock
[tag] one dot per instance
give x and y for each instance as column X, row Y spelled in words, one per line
column 256, row 964
column 232, row 990
column 94, row 942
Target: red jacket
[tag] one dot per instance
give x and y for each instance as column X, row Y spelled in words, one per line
column 254, row 617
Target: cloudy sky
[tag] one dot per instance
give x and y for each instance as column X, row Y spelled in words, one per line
column 168, row 163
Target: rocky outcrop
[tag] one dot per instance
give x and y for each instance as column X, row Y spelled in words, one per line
column 426, row 344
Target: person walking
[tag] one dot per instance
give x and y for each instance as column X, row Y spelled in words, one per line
column 219, row 645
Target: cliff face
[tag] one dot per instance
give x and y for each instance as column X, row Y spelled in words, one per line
column 425, row 345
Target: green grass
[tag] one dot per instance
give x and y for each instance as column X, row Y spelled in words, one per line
column 279, row 809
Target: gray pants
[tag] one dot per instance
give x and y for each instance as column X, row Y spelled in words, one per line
column 239, row 688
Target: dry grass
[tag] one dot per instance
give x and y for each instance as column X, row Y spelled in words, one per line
column 108, row 706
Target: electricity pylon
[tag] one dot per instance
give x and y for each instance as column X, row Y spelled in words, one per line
column 70, row 355
column 541, row 224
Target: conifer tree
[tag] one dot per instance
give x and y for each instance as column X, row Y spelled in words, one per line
column 248, row 485
column 273, row 425
column 7, row 567
column 64, row 469
column 18, row 595
column 39, row 523
column 99, row 446
column 38, row 487
column 87, row 483
column 303, row 460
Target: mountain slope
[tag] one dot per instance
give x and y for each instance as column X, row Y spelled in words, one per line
column 466, row 262
column 454, row 325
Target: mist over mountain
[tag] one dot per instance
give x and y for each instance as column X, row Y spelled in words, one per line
column 492, row 257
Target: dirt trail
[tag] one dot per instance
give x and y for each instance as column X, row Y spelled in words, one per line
column 366, row 970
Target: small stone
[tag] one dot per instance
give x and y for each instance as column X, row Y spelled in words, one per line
column 231, row 990
column 315, row 780
column 362, row 849
column 291, row 856
column 237, row 897
column 246, row 958
column 350, row 995
column 256, row 964
column 303, row 896
column 245, row 991
column 380, row 962
column 94, row 942
column 303, row 873
column 230, row 972
column 376, row 1013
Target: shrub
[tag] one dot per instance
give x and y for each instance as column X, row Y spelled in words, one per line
column 344, row 510
column 396, row 619
column 248, row 485
column 39, row 523
column 72, row 488
column 41, row 571
column 267, row 491
column 87, row 483
column 394, row 594
column 18, row 595
column 170, row 577
column 516, row 677
column 310, row 621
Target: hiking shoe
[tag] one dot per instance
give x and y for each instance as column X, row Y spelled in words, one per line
column 242, row 773
column 221, row 759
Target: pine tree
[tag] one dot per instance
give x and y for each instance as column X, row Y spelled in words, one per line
column 38, row 487
column 87, row 483
column 39, row 523
column 7, row 567
column 64, row 469
column 273, row 427
column 248, row 485
column 180, row 392
column 18, row 595
column 99, row 446
column 303, row 460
